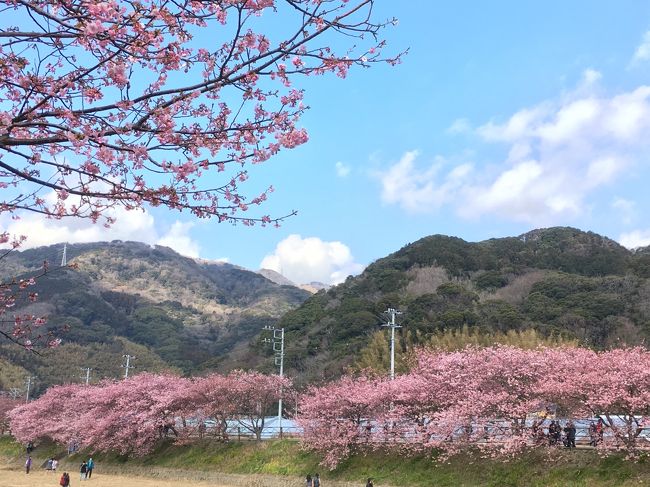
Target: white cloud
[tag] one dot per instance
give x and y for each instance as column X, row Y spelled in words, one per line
column 459, row 126
column 178, row 238
column 591, row 76
column 303, row 260
column 420, row 190
column 642, row 52
column 342, row 170
column 635, row 239
column 559, row 153
column 627, row 209
column 517, row 127
column 130, row 225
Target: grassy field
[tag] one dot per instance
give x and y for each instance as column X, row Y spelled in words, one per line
column 284, row 464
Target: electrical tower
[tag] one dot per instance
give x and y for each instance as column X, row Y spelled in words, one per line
column 14, row 392
column 392, row 325
column 277, row 342
column 127, row 364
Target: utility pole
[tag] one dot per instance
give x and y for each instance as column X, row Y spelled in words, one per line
column 127, row 364
column 278, row 350
column 86, row 376
column 29, row 386
column 64, row 258
column 392, row 325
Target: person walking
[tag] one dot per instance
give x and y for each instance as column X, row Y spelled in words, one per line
column 28, row 464
column 317, row 481
column 600, row 426
column 89, row 467
column 369, row 483
column 65, row 480
column 55, row 463
column 308, row 481
column 593, row 434
column 83, row 470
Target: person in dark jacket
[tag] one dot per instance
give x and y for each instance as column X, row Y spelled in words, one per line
column 554, row 433
column 570, row 432
column 83, row 470
column 369, row 483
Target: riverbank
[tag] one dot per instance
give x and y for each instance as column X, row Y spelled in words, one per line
column 285, row 464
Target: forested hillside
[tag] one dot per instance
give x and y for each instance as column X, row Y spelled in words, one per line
column 560, row 283
column 552, row 285
column 126, row 297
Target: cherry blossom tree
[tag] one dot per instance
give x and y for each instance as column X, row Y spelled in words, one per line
column 484, row 396
column 127, row 103
column 615, row 386
column 135, row 104
column 128, row 416
column 52, row 416
column 212, row 399
column 344, row 417
column 22, row 328
column 252, row 394
column 6, row 405
column 493, row 400
column 132, row 416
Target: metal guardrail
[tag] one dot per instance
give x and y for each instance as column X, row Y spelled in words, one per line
column 500, row 433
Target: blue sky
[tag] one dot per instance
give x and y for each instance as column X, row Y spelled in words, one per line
column 505, row 116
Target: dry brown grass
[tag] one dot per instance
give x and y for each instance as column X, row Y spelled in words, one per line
column 40, row 478
column 425, row 280
column 519, row 288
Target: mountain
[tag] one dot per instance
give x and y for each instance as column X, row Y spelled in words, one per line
column 276, row 277
column 558, row 281
column 190, row 315
column 183, row 313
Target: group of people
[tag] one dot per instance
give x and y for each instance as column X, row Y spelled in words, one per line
column 596, row 432
column 555, row 431
column 65, row 480
column 315, row 481
column 86, row 469
column 566, row 435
